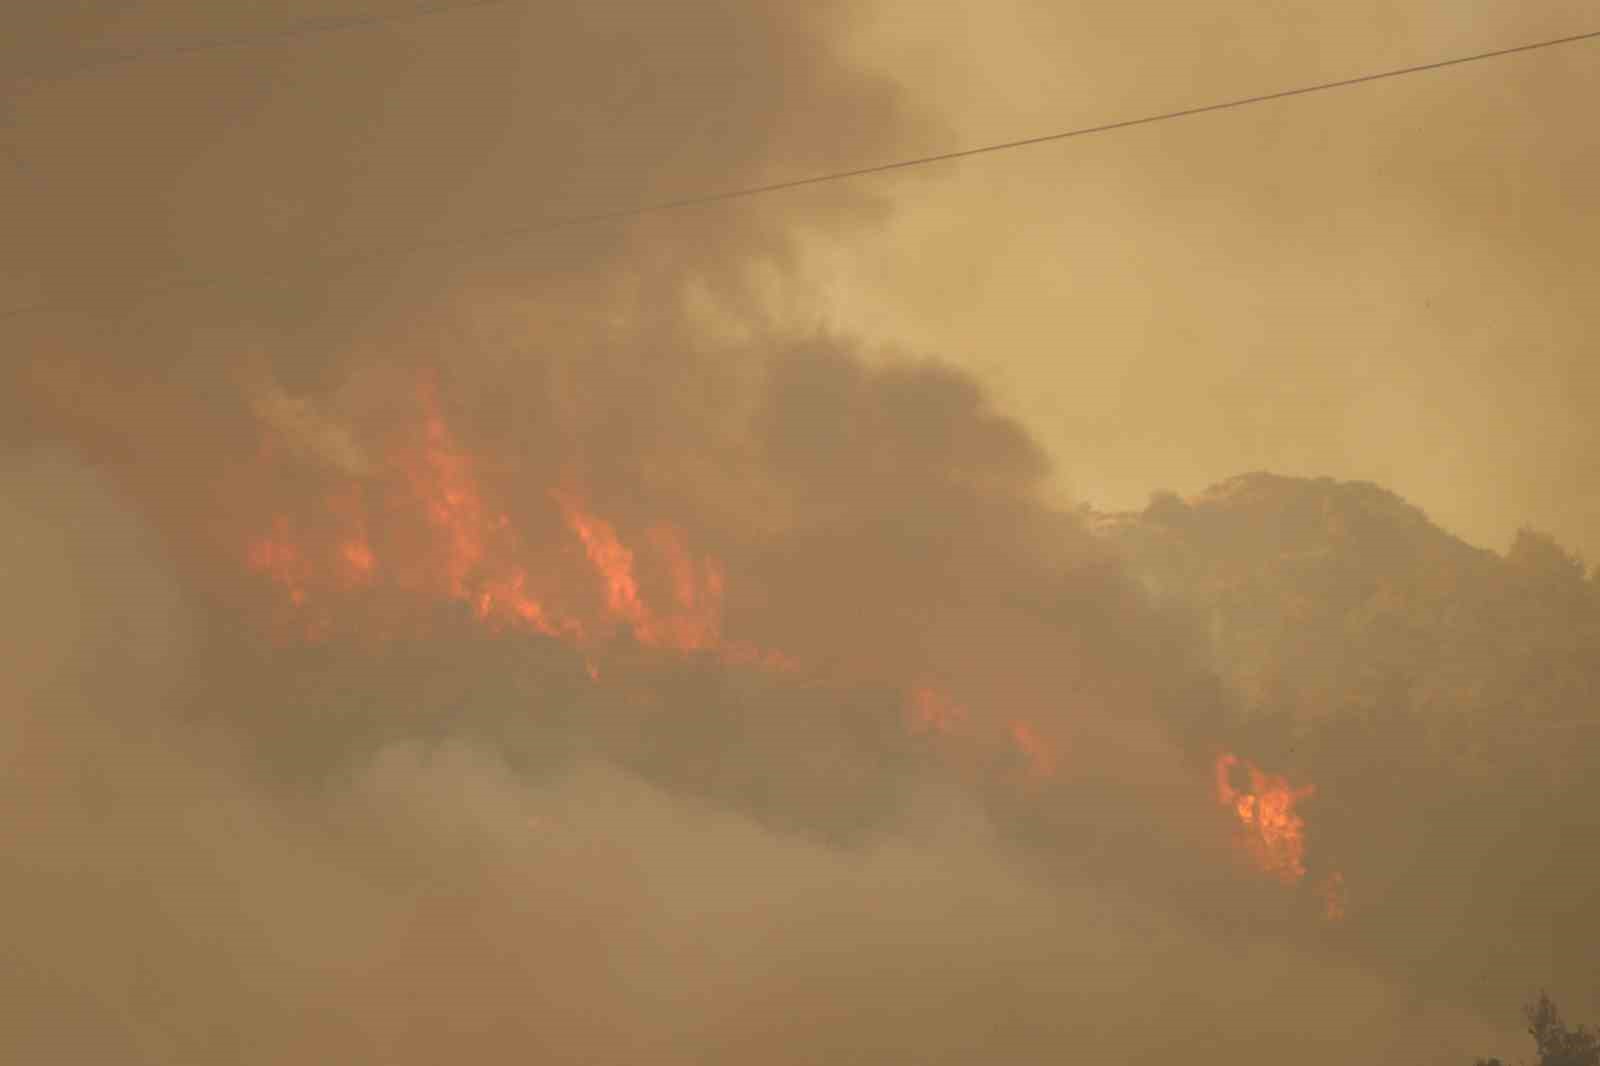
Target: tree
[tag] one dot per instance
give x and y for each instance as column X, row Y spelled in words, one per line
column 1538, row 553
column 1557, row 1045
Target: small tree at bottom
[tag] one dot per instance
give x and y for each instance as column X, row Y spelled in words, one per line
column 1557, row 1045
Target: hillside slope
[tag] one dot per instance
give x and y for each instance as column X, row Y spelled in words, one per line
column 1444, row 699
column 1325, row 598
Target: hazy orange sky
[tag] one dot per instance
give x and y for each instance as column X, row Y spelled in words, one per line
column 1391, row 282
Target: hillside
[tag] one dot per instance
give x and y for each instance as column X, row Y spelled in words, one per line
column 1325, row 598
column 1445, row 701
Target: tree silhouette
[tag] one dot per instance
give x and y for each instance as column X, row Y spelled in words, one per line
column 1557, row 1045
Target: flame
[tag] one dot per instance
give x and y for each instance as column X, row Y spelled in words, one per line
column 463, row 547
column 473, row 553
column 1040, row 754
column 446, row 539
column 276, row 556
column 1333, row 897
column 743, row 653
column 933, row 711
column 1271, row 831
column 358, row 559
column 482, row 550
column 695, row 625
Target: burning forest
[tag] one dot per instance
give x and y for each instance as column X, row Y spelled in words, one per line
column 623, row 643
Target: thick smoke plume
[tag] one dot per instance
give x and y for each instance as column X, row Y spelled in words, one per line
column 446, row 892
column 551, row 656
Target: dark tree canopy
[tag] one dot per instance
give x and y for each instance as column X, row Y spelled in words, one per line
column 1557, row 1045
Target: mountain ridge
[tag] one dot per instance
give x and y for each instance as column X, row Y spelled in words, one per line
column 1443, row 699
column 1319, row 595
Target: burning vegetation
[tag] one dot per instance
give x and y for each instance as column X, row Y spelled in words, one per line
column 424, row 528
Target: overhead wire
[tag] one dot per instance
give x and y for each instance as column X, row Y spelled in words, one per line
column 550, row 225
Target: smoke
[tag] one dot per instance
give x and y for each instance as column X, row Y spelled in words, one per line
column 1133, row 298
column 436, row 902
column 456, row 800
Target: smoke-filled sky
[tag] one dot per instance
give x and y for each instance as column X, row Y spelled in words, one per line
column 1388, row 282
column 669, row 639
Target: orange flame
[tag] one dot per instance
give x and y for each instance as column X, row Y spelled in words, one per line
column 358, row 559
column 481, row 546
column 930, row 711
column 276, row 556
column 743, row 653
column 1040, row 753
column 933, row 711
column 1271, row 831
column 1333, row 897
column 473, row 553
column 696, row 625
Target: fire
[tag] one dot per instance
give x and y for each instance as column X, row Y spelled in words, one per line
column 611, row 558
column 482, row 550
column 933, row 711
column 696, row 624
column 1040, row 753
column 358, row 559
column 444, row 538
column 276, row 556
column 1272, row 832
column 1333, row 897
column 743, row 653
column 472, row 552
column 459, row 545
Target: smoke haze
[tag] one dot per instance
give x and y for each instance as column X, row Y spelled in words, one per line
column 430, row 901
column 595, row 648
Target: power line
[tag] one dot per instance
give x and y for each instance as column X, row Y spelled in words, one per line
column 618, row 214
column 305, row 28
column 1084, row 131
